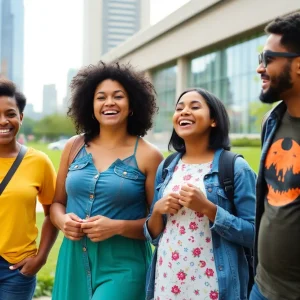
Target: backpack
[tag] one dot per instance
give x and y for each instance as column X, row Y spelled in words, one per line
column 226, row 180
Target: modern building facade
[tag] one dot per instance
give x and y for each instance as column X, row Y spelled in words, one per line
column 49, row 99
column 12, row 40
column 211, row 44
column 108, row 23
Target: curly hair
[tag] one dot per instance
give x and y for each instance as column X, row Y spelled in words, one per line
column 141, row 95
column 289, row 27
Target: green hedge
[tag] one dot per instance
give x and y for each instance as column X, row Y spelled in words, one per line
column 245, row 142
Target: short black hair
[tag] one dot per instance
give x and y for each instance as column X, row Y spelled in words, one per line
column 141, row 95
column 219, row 135
column 289, row 28
column 9, row 89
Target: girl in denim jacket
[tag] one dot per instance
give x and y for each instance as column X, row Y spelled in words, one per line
column 198, row 233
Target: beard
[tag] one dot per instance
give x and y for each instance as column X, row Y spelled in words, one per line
column 281, row 84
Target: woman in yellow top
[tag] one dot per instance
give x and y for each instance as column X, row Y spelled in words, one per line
column 20, row 259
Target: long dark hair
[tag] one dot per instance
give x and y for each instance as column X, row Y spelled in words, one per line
column 219, row 135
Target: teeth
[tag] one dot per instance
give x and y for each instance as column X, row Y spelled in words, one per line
column 4, row 130
column 110, row 112
column 186, row 122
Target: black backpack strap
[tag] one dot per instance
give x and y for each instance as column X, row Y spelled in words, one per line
column 226, row 179
column 226, row 172
column 13, row 168
column 167, row 162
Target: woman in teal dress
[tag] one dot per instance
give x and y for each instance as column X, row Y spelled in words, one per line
column 105, row 185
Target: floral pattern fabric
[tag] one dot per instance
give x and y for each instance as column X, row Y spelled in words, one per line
column 185, row 267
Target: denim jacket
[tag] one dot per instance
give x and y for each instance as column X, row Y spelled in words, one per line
column 272, row 123
column 230, row 232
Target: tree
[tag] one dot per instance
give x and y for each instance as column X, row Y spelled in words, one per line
column 28, row 126
column 54, row 126
column 258, row 110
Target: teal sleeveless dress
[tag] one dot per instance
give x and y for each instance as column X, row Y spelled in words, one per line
column 115, row 268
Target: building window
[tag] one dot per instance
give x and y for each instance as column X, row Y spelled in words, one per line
column 164, row 81
column 229, row 73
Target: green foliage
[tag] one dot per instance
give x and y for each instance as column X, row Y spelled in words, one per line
column 27, row 127
column 54, row 126
column 258, row 110
column 245, row 142
column 44, row 286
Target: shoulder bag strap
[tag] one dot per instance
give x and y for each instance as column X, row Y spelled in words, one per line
column 76, row 146
column 13, row 168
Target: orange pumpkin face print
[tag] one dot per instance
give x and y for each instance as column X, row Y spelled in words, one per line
column 282, row 171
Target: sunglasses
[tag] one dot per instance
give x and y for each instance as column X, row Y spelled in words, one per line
column 263, row 57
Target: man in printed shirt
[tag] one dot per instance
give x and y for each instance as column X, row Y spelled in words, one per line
column 277, row 245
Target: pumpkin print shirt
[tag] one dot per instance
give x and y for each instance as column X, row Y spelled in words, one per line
column 278, row 271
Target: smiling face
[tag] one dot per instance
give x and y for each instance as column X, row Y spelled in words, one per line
column 111, row 104
column 10, row 120
column 192, row 116
column 277, row 78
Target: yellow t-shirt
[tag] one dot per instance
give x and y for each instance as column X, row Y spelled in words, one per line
column 34, row 178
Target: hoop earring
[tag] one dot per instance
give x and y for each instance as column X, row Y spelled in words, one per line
column 131, row 114
column 93, row 116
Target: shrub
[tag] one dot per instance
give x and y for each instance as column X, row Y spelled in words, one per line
column 44, row 286
column 245, row 142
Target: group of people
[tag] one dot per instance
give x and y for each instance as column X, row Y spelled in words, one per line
column 114, row 195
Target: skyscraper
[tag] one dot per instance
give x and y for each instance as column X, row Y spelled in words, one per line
column 12, row 40
column 65, row 104
column 49, row 99
column 108, row 23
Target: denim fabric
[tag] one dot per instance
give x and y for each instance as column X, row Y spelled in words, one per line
column 13, row 284
column 116, row 193
column 256, row 294
column 230, row 232
column 271, row 124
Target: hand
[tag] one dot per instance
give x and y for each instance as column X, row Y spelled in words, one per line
column 29, row 265
column 99, row 228
column 71, row 227
column 193, row 198
column 167, row 205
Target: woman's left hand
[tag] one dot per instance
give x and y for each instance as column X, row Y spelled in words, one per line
column 193, row 198
column 99, row 228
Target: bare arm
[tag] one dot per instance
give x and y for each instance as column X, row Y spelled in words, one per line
column 134, row 229
column 69, row 224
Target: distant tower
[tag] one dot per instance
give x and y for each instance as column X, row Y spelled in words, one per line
column 49, row 99
column 108, row 23
column 71, row 74
column 12, row 40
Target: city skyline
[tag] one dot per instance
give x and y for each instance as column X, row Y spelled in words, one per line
column 12, row 40
column 52, row 48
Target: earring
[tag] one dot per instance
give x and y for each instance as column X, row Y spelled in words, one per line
column 93, row 116
column 131, row 114
column 213, row 125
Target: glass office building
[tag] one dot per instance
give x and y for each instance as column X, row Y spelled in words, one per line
column 164, row 81
column 229, row 72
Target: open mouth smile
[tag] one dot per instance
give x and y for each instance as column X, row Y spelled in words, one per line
column 5, row 131
column 110, row 112
column 185, row 123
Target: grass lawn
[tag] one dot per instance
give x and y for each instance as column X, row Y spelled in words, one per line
column 250, row 154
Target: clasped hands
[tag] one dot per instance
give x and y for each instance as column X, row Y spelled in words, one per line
column 189, row 196
column 97, row 228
